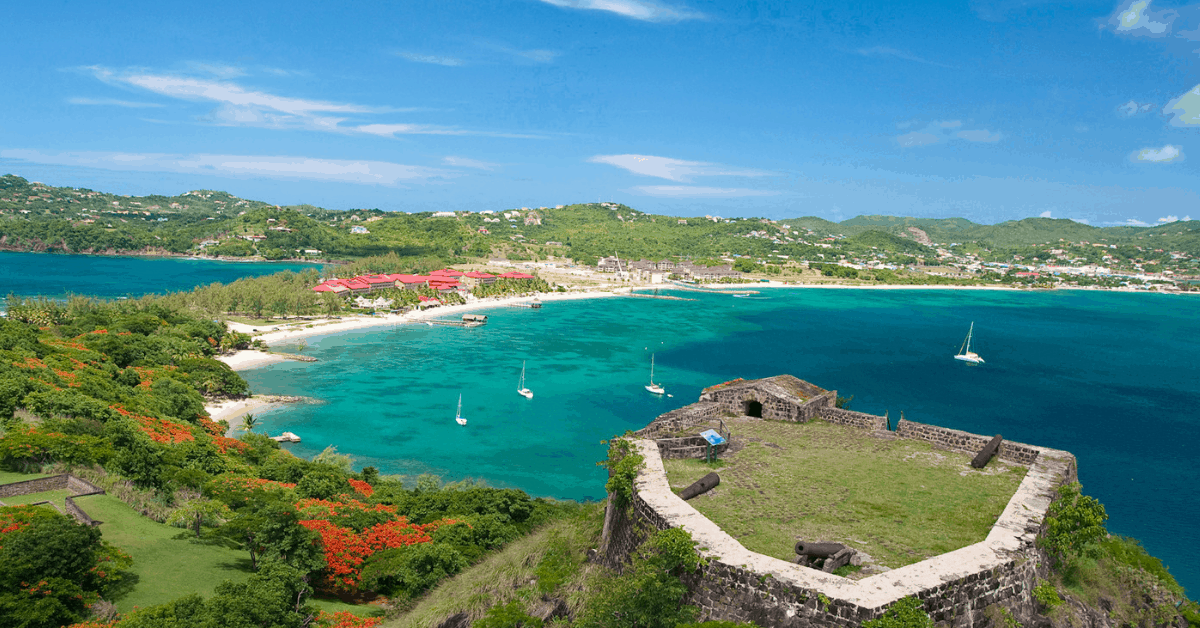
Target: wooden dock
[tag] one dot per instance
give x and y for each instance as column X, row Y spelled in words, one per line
column 531, row 305
column 676, row 286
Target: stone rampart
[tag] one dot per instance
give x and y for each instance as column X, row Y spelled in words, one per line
column 739, row 585
column 966, row 441
column 78, row 487
column 854, row 419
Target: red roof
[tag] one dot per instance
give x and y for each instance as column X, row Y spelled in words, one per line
column 410, row 278
column 448, row 272
column 425, row 299
column 475, row 274
column 376, row 279
column 355, row 284
column 516, row 275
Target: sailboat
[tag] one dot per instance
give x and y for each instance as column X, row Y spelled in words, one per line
column 458, row 417
column 965, row 354
column 654, row 388
column 521, row 389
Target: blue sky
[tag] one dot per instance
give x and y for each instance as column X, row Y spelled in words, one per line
column 987, row 110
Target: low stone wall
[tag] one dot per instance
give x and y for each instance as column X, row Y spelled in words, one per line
column 687, row 447
column 78, row 486
column 739, row 585
column 29, row 487
column 681, row 418
column 966, row 441
column 854, row 419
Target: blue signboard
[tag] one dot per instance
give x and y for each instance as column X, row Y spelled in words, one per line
column 712, row 437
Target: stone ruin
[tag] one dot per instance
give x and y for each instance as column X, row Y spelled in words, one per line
column 739, row 585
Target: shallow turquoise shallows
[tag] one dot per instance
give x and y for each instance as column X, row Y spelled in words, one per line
column 56, row 275
column 1113, row 378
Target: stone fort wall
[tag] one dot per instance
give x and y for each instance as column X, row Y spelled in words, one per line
column 955, row 588
column 78, row 487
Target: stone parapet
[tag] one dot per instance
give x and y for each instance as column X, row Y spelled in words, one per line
column 78, row 487
column 853, row 419
column 966, row 441
column 739, row 585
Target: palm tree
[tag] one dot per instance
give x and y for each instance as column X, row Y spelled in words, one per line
column 249, row 422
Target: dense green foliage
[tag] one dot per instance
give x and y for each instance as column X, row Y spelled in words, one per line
column 649, row 593
column 52, row 568
column 906, row 613
column 1074, row 524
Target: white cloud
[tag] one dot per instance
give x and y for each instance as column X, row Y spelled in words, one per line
column 1082, row 221
column 240, row 106
column 1185, row 110
column 111, row 102
column 673, row 169
column 1134, row 222
column 1165, row 155
column 434, row 59
column 884, row 51
column 938, row 131
column 1133, row 19
column 1170, row 218
column 466, row 162
column 1133, row 108
column 645, row 10
column 979, row 135
column 1045, row 214
column 917, row 138
column 218, row 70
column 690, row 191
column 245, row 166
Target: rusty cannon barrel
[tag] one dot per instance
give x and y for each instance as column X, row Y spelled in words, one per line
column 701, row 486
column 985, row 455
column 818, row 550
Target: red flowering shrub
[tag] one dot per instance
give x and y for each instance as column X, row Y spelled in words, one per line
column 159, row 430
column 236, row 491
column 361, row 487
column 346, row 550
column 343, row 619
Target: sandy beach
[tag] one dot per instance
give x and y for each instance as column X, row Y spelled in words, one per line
column 234, row 410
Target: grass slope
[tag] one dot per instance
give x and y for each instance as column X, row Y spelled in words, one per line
column 547, row 561
column 900, row 501
column 168, row 562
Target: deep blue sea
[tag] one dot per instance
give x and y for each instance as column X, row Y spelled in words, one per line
column 1113, row 378
column 56, row 275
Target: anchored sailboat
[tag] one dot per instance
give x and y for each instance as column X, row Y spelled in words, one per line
column 964, row 353
column 654, row 388
column 458, row 417
column 521, row 389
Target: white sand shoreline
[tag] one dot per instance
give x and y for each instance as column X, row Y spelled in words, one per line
column 234, row 410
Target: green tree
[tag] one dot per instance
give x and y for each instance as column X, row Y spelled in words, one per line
column 1074, row 524
column 199, row 512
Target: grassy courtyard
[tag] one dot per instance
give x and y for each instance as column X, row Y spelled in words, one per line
column 900, row 501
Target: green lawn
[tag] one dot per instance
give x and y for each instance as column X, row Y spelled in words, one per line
column 169, row 562
column 900, row 501
column 8, row 477
column 56, row 497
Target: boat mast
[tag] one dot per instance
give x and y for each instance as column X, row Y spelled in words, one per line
column 651, row 369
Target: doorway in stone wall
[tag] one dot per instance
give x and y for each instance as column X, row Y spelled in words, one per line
column 752, row 408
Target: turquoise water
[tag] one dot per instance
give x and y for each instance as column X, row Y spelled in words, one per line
column 54, row 275
column 1111, row 377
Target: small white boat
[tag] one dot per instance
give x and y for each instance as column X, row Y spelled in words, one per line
column 521, row 389
column 652, row 387
column 964, row 353
column 286, row 437
column 458, row 417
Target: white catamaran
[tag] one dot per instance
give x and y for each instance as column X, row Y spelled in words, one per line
column 458, row 417
column 965, row 354
column 521, row 389
column 654, row 388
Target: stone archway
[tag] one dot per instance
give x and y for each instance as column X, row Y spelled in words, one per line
column 751, row 407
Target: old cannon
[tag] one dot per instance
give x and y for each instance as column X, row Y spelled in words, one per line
column 823, row 556
column 701, row 486
column 985, row 455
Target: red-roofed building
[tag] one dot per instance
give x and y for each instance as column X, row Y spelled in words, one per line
column 1027, row 274
column 515, row 275
column 444, row 284
column 378, row 282
column 448, row 272
column 331, row 286
column 424, row 301
column 474, row 278
column 410, row 282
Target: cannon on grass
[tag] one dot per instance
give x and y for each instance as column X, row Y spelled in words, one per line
column 701, row 486
column 823, row 556
column 985, row 455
